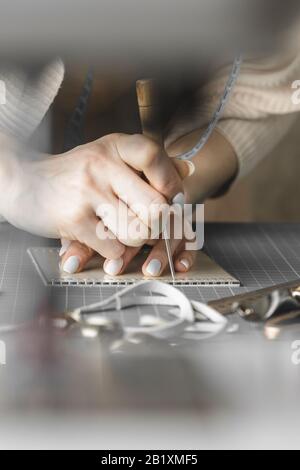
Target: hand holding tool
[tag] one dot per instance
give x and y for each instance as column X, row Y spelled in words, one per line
column 148, row 107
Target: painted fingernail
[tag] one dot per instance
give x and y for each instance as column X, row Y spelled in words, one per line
column 185, row 263
column 71, row 265
column 179, row 199
column 64, row 247
column 191, row 168
column 154, row 267
column 113, row 266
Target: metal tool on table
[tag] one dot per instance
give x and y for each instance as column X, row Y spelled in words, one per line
column 261, row 304
column 277, row 307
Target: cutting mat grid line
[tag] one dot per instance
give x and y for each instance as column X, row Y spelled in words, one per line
column 259, row 255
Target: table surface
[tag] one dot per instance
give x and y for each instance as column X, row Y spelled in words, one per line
column 258, row 255
column 235, row 390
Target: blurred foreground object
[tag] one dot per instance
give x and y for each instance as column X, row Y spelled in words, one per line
column 119, row 32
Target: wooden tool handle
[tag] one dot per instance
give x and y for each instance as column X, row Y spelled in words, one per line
column 150, row 121
column 148, row 107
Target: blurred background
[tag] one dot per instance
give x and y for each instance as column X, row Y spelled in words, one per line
column 129, row 38
column 271, row 193
column 126, row 38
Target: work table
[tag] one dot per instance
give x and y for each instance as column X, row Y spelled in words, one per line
column 230, row 391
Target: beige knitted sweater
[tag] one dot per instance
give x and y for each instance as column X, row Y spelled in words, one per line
column 259, row 113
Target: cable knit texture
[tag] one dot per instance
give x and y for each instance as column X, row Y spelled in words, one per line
column 28, row 98
column 259, row 113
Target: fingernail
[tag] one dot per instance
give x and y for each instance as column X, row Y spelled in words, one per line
column 154, row 267
column 179, row 199
column 64, row 247
column 71, row 265
column 185, row 263
column 191, row 168
column 113, row 266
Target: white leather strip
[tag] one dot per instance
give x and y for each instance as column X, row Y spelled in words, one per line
column 190, row 316
column 193, row 320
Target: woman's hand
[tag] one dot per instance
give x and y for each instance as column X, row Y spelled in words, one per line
column 75, row 256
column 64, row 196
column 214, row 167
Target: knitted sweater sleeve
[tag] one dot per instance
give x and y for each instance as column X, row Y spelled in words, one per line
column 262, row 108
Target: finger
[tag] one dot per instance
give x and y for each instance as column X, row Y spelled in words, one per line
column 96, row 236
column 184, row 261
column 158, row 261
column 121, row 221
column 76, row 257
column 144, row 155
column 119, row 266
column 64, row 246
column 148, row 204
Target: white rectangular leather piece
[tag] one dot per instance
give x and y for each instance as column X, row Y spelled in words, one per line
column 205, row 272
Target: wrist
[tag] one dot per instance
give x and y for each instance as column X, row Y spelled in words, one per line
column 216, row 166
